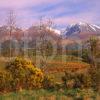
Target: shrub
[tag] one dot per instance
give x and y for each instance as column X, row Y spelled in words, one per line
column 95, row 76
column 48, row 82
column 25, row 74
column 5, row 81
column 76, row 80
column 35, row 78
column 68, row 79
column 70, row 83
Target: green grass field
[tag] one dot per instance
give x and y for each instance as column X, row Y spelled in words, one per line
column 48, row 95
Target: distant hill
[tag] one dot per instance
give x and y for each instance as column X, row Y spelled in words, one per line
column 17, row 33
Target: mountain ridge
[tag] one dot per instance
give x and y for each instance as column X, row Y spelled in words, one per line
column 82, row 30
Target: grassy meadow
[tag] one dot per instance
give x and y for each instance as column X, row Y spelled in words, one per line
column 56, row 68
column 51, row 95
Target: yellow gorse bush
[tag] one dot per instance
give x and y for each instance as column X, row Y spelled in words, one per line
column 5, row 81
column 25, row 74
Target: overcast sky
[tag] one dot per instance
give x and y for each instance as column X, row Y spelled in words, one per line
column 63, row 12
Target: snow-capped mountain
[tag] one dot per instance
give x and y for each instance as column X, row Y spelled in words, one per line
column 82, row 30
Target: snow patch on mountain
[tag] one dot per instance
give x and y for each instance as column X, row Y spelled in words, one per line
column 54, row 30
column 96, row 26
column 92, row 27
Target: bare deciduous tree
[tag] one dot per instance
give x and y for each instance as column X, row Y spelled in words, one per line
column 11, row 24
column 44, row 42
